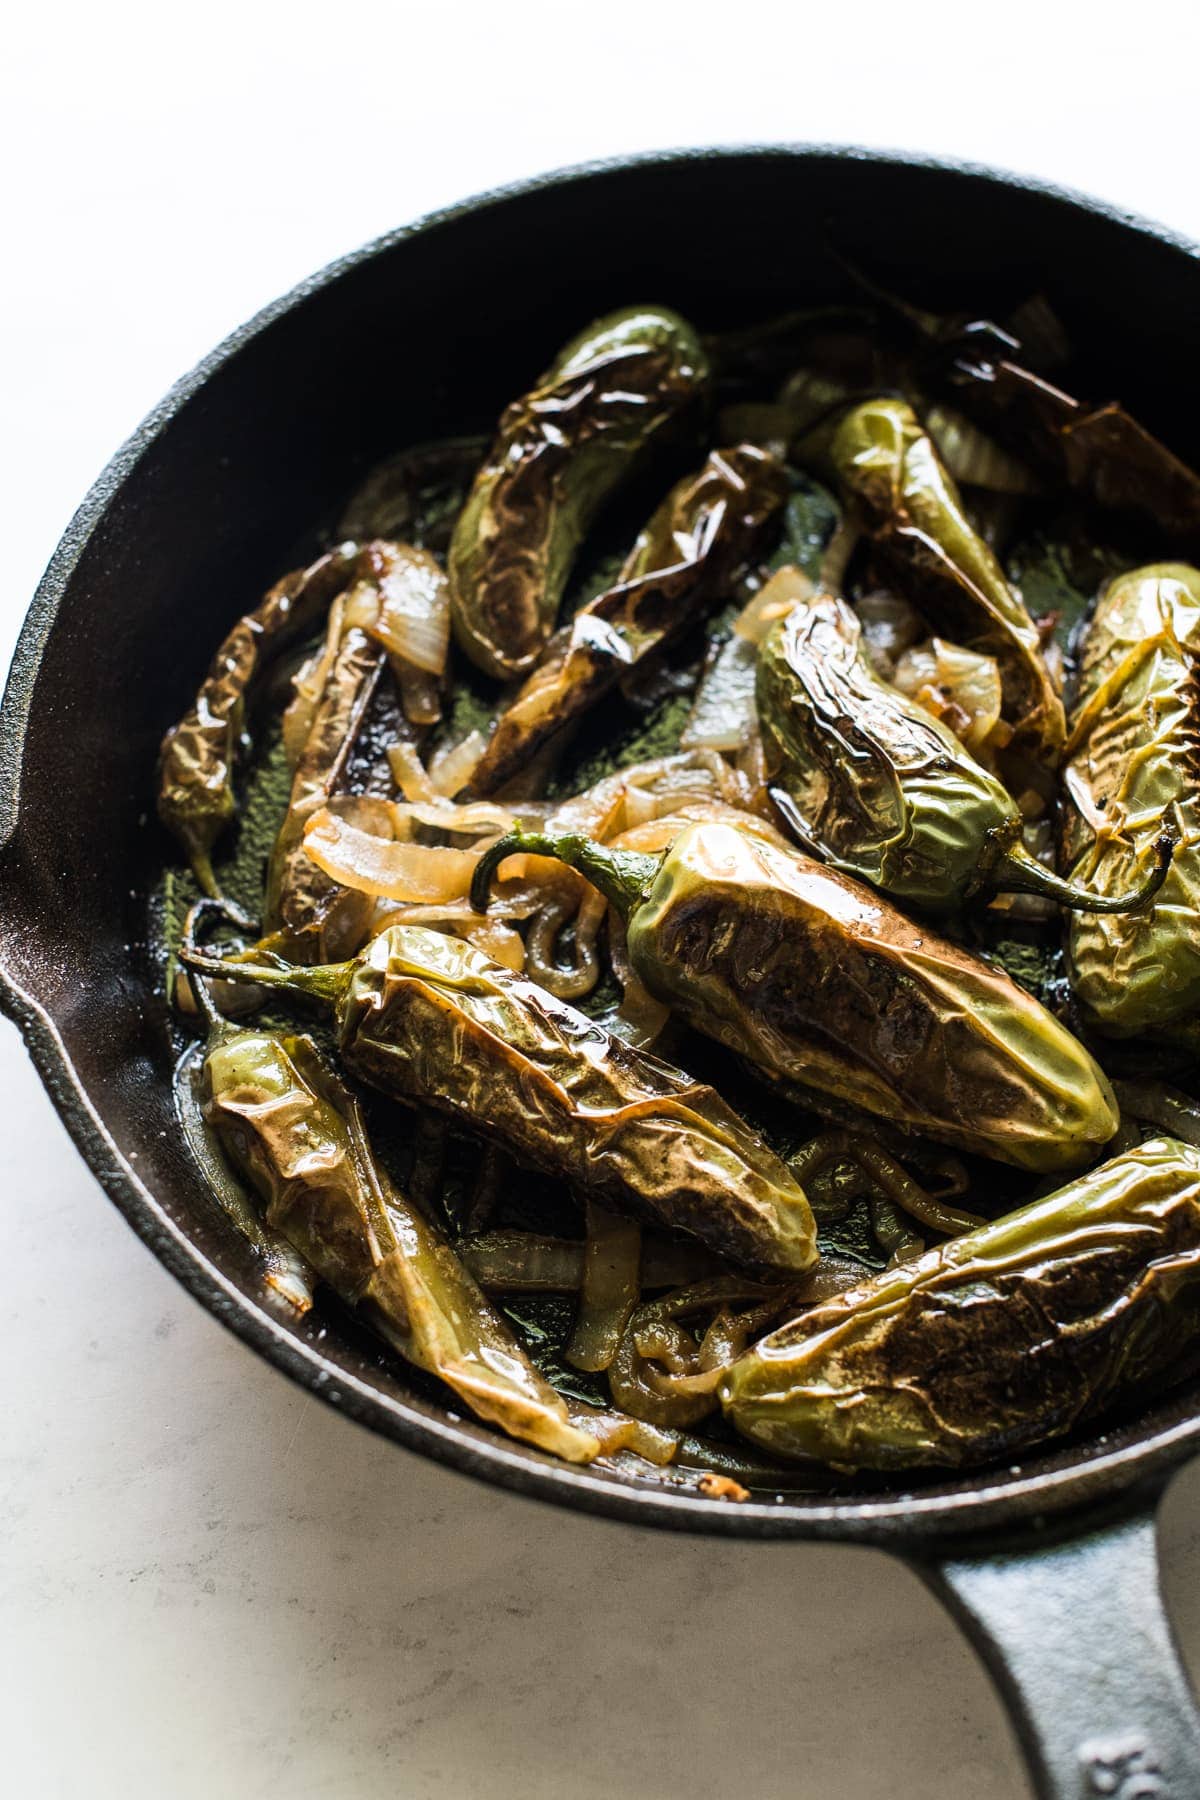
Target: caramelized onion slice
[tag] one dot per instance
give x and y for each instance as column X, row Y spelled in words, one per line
column 382, row 866
column 409, row 772
column 412, row 619
column 959, row 686
column 451, row 769
column 609, row 1290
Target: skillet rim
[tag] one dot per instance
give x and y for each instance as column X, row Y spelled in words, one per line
column 928, row 1517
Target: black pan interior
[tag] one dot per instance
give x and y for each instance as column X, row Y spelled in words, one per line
column 245, row 466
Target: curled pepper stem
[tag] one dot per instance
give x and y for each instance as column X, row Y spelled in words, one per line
column 622, row 876
column 1018, row 872
column 209, row 908
column 326, row 981
column 213, row 907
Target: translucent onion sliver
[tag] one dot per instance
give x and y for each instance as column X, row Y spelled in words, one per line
column 390, row 870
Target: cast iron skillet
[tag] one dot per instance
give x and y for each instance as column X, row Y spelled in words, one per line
column 1051, row 1565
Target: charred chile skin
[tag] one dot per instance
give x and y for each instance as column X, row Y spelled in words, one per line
column 822, row 982
column 318, row 919
column 623, row 385
column 308, row 916
column 1133, row 765
column 685, row 560
column 429, row 1019
column 295, row 1133
column 819, row 981
column 1101, row 451
column 1000, row 1340
column 885, row 790
column 196, row 763
column 896, row 485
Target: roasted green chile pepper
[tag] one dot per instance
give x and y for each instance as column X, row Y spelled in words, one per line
column 686, row 559
column 308, row 916
column 296, row 1134
column 1133, row 765
column 997, row 1341
column 894, row 481
column 878, row 786
column 196, row 766
column 280, row 1265
column 616, row 390
column 820, row 981
column 427, row 1018
column 314, row 918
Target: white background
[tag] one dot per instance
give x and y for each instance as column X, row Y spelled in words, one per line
column 210, row 1585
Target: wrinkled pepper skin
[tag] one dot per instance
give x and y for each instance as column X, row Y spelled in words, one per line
column 295, row 1133
column 998, row 1341
column 696, row 544
column 878, row 785
column 823, row 983
column 429, row 1019
column 308, row 916
column 318, row 919
column 1133, row 764
column 196, row 764
column 625, row 384
column 819, row 981
column 895, row 484
column 999, row 379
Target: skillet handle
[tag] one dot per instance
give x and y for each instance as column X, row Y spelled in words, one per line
column 1074, row 1634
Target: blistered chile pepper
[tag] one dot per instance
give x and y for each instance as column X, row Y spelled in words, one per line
column 875, row 784
column 428, row 1019
column 625, row 384
column 1002, row 1339
column 897, row 487
column 297, row 1136
column 685, row 561
column 1133, row 769
column 199, row 756
column 821, row 982
column 1100, row 451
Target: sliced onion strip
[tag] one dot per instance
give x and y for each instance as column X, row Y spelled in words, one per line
column 409, row 773
column 609, row 1290
column 788, row 587
column 375, row 865
column 451, row 769
column 412, row 615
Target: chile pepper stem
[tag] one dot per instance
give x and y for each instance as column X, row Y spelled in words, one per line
column 327, row 981
column 215, row 1022
column 202, row 912
column 1018, row 872
column 622, row 876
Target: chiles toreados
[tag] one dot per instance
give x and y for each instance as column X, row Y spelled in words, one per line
column 428, row 1019
column 885, row 791
column 888, row 469
column 819, row 981
column 1006, row 1337
column 1133, row 763
column 702, row 536
column 869, row 529
column 617, row 390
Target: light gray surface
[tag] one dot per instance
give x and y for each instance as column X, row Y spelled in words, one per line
column 210, row 1585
